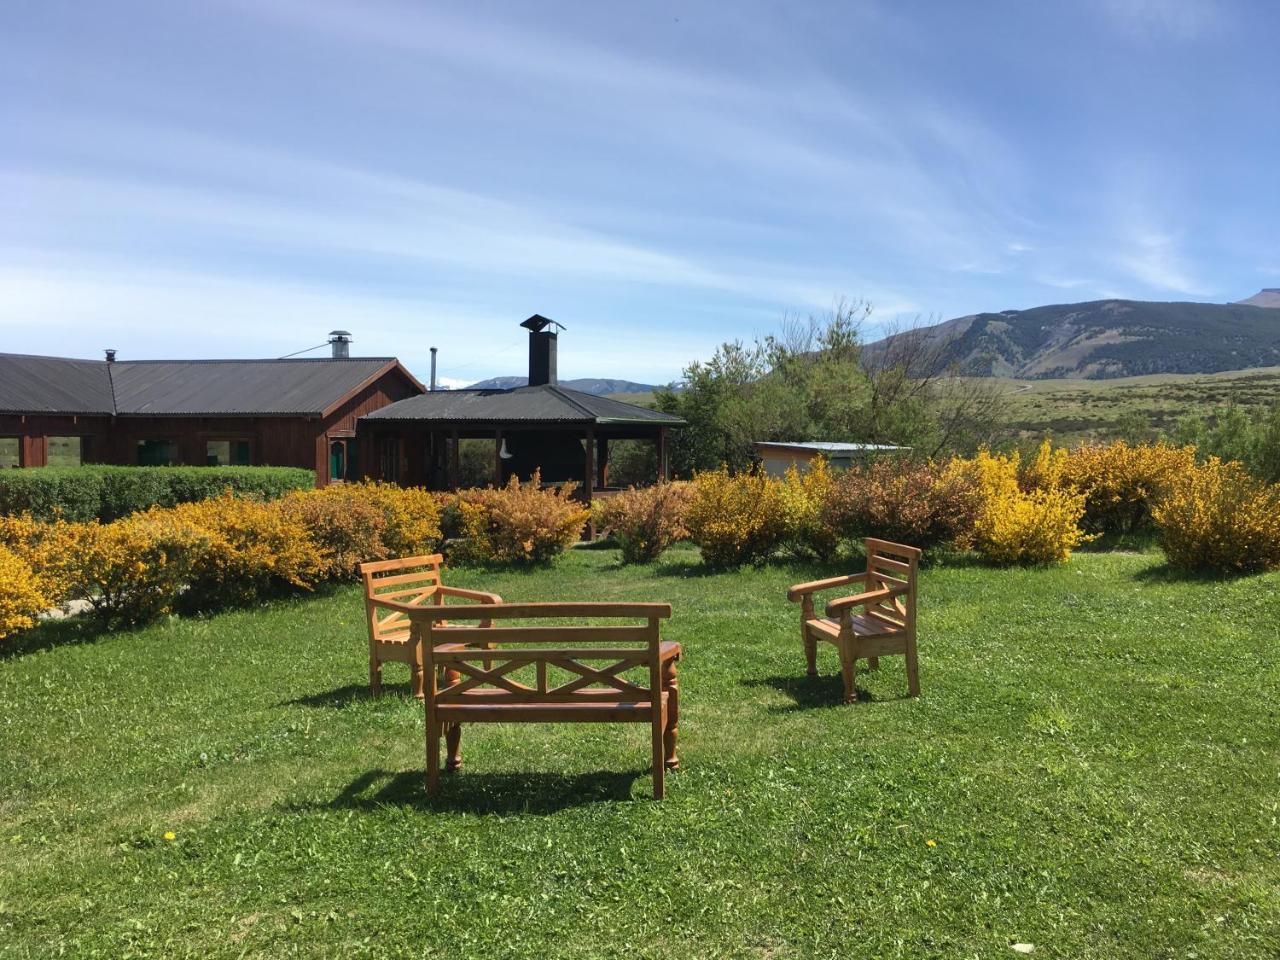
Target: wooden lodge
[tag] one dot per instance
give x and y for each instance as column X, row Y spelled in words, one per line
column 344, row 417
column 565, row 433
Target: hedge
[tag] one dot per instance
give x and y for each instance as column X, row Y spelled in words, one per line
column 106, row 493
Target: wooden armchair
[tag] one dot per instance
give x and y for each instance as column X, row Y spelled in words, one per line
column 390, row 585
column 886, row 624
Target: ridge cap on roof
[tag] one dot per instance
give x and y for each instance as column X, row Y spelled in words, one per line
column 255, row 360
column 566, row 393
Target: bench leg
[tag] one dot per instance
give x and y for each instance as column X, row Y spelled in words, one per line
column 873, row 663
column 453, row 743
column 671, row 684
column 849, row 674
column 658, row 727
column 913, row 669
column 810, row 644
column 433, row 759
column 375, row 674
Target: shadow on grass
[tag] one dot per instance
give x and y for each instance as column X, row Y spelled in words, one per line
column 492, row 793
column 1165, row 573
column 49, row 634
column 817, row 693
column 347, row 695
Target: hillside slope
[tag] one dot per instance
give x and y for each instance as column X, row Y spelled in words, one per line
column 1106, row 338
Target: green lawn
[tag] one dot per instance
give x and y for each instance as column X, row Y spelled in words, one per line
column 1096, row 760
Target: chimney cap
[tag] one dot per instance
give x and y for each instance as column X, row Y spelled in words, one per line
column 538, row 322
column 336, row 334
column 111, row 354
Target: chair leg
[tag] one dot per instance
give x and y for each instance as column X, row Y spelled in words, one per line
column 416, row 681
column 810, row 643
column 873, row 663
column 433, row 758
column 672, row 731
column 453, row 745
column 659, row 751
column 849, row 674
column 913, row 669
column 375, row 674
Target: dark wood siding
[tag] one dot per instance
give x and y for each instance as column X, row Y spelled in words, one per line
column 276, row 441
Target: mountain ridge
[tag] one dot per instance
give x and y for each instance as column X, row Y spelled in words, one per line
column 1101, row 339
column 597, row 386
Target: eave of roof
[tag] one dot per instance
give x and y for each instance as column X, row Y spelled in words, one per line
column 545, row 403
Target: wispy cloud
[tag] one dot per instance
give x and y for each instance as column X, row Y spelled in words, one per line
column 1154, row 258
column 1179, row 19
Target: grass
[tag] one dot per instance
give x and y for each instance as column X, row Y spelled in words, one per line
column 1077, row 410
column 1094, row 768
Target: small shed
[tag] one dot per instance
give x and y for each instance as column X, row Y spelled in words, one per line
column 542, row 426
column 778, row 457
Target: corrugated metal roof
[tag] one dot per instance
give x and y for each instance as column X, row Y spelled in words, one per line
column 53, row 385
column 546, row 403
column 181, row 388
column 186, row 388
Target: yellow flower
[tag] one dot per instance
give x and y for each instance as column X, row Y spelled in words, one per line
column 170, row 835
column 931, row 843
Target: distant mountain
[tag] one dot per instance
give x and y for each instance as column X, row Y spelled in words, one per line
column 1102, row 339
column 1266, row 297
column 593, row 385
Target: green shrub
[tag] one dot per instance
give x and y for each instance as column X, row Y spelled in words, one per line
column 106, row 493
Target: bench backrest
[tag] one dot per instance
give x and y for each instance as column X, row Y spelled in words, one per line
column 893, row 565
column 410, row 580
column 537, row 663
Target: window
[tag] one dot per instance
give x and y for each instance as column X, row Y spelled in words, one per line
column 66, row 451
column 229, row 453
column 157, row 453
column 10, row 452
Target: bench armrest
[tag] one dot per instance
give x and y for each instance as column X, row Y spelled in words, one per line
column 801, row 590
column 480, row 596
column 862, row 599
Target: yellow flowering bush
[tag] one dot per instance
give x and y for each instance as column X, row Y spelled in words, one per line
column 21, row 597
column 521, row 523
column 736, row 519
column 1044, row 470
column 804, row 495
column 1217, row 517
column 1022, row 526
column 133, row 570
column 351, row 523
column 49, row 549
column 249, row 549
column 645, row 520
column 1121, row 482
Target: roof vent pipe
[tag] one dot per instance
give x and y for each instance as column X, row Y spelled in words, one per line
column 111, row 355
column 340, row 343
column 542, row 350
column 433, row 369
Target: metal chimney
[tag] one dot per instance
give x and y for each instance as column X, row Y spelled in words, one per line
column 340, row 344
column 542, row 350
column 111, row 354
column 433, row 369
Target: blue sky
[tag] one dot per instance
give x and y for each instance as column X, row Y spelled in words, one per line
column 238, row 177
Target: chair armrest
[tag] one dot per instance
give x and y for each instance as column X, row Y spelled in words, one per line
column 480, row 596
column 801, row 590
column 858, row 600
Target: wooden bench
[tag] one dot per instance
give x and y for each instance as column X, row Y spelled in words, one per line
column 390, row 585
column 539, row 673
column 886, row 624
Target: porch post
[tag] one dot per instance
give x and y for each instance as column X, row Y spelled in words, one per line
column 663, row 467
column 497, row 458
column 455, row 469
column 602, row 462
column 588, row 487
